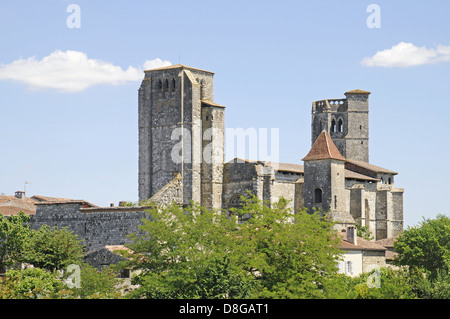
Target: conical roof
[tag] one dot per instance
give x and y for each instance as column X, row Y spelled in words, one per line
column 324, row 148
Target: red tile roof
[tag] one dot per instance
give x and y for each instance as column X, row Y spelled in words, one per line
column 361, row 244
column 11, row 205
column 324, row 148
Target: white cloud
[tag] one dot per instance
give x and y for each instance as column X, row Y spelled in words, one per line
column 156, row 63
column 407, row 54
column 72, row 71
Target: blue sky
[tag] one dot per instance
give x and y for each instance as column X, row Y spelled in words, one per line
column 78, row 138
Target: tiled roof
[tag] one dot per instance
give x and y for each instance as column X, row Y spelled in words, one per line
column 323, row 148
column 177, row 66
column 46, row 199
column 85, row 204
column 357, row 91
column 11, row 205
column 371, row 167
column 212, row 103
column 387, row 242
column 300, row 169
column 286, row 167
column 361, row 244
column 11, row 210
column 353, row 175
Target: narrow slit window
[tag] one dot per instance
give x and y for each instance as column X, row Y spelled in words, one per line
column 166, row 85
column 318, row 196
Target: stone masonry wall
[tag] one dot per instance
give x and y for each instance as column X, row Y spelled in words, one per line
column 97, row 227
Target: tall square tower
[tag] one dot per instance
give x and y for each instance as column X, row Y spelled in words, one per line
column 346, row 121
column 181, row 131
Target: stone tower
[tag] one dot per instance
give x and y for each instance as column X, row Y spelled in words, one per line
column 324, row 180
column 346, row 121
column 181, row 133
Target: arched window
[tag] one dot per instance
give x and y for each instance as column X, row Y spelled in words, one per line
column 382, row 180
column 235, row 201
column 166, row 85
column 160, row 84
column 389, row 180
column 340, row 127
column 174, row 84
column 333, row 125
column 317, row 196
column 335, row 202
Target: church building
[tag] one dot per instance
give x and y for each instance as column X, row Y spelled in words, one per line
column 182, row 151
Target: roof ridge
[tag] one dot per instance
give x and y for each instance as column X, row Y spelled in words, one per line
column 328, row 144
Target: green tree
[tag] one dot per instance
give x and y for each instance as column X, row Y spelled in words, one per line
column 31, row 283
column 14, row 234
column 436, row 288
column 96, row 284
column 184, row 253
column 196, row 253
column 53, row 249
column 363, row 232
column 426, row 247
column 294, row 255
column 393, row 284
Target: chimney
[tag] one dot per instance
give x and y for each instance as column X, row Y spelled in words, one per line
column 351, row 235
column 111, row 205
column 20, row 194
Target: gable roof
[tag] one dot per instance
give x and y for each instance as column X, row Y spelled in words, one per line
column 324, row 148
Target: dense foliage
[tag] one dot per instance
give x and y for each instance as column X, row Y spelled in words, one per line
column 50, row 251
column 53, row 248
column 203, row 254
column 253, row 252
column 426, row 246
column 14, row 234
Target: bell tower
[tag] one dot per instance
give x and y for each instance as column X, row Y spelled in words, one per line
column 346, row 121
column 181, row 132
